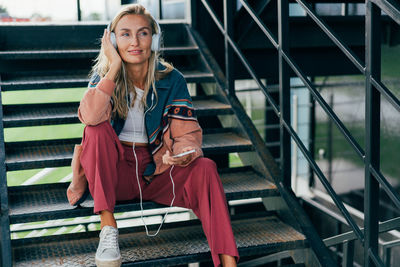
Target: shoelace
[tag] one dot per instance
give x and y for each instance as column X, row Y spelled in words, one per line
column 110, row 240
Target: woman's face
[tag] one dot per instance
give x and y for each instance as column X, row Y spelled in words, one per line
column 133, row 34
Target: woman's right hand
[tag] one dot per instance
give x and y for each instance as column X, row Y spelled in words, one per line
column 111, row 53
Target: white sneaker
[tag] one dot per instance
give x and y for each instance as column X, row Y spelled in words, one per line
column 108, row 254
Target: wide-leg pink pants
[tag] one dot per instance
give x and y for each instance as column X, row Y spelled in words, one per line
column 110, row 170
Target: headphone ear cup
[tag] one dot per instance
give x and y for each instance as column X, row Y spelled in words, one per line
column 113, row 39
column 155, row 42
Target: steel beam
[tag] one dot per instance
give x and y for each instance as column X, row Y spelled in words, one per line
column 284, row 91
column 5, row 245
column 340, row 44
column 372, row 131
column 229, row 12
column 390, row 7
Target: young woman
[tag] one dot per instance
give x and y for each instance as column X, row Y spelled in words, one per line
column 138, row 115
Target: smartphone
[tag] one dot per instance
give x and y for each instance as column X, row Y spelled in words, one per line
column 184, row 153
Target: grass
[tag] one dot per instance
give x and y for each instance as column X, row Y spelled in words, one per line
column 390, row 145
column 390, row 141
column 42, row 96
column 43, row 132
column 17, row 134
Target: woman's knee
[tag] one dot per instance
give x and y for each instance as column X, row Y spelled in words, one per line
column 205, row 170
column 205, row 164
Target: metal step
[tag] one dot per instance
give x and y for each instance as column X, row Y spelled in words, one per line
column 83, row 53
column 56, row 153
column 63, row 113
column 80, row 80
column 49, row 201
column 172, row 246
column 64, row 36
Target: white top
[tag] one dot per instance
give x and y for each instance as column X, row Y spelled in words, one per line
column 134, row 129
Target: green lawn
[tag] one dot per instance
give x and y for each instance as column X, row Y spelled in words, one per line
column 390, row 146
column 41, row 132
column 42, row 96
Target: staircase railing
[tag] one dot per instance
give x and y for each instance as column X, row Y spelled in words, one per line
column 374, row 87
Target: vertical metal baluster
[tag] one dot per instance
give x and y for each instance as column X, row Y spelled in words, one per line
column 229, row 11
column 284, row 91
column 5, row 245
column 78, row 7
column 313, row 125
column 372, row 130
column 160, row 12
column 348, row 254
column 193, row 13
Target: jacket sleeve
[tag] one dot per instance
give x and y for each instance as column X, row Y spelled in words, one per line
column 95, row 106
column 185, row 129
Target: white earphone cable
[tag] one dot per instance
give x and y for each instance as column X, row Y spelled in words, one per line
column 136, row 166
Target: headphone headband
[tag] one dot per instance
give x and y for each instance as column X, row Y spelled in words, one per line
column 156, row 37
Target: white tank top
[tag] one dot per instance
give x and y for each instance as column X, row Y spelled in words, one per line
column 134, row 129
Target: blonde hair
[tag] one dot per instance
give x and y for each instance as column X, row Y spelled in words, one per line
column 102, row 66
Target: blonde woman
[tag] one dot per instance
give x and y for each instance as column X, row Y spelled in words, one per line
column 139, row 116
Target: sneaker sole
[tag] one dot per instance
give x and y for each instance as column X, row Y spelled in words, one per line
column 113, row 263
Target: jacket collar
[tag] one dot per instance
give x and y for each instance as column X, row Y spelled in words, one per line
column 163, row 83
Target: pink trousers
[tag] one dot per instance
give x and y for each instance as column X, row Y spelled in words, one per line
column 110, row 169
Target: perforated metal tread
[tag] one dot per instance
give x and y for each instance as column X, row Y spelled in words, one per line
column 56, row 153
column 62, row 113
column 40, row 114
column 81, row 80
column 45, row 202
column 48, row 53
column 172, row 246
column 82, row 53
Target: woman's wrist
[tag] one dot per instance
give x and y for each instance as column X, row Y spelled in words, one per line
column 112, row 72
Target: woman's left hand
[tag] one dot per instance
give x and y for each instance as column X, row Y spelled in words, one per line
column 170, row 160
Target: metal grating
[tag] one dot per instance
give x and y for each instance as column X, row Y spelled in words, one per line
column 183, row 245
column 69, row 81
column 53, row 153
column 45, row 202
column 61, row 113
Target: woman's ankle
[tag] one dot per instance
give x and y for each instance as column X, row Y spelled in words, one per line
column 227, row 260
column 107, row 218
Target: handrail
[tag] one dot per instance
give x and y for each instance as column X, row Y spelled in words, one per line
column 349, row 236
column 325, row 182
column 268, row 162
column 377, row 260
column 360, row 152
column 342, row 46
column 391, row 8
column 372, row 109
column 384, row 226
column 393, row 195
column 315, row 93
column 292, row 133
column 262, row 26
column 244, row 60
column 391, row 98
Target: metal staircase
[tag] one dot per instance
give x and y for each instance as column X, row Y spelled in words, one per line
column 55, row 56
column 59, row 56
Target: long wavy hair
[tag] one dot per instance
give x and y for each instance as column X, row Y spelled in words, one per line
column 102, row 66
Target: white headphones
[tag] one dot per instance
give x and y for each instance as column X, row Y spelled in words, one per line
column 155, row 39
